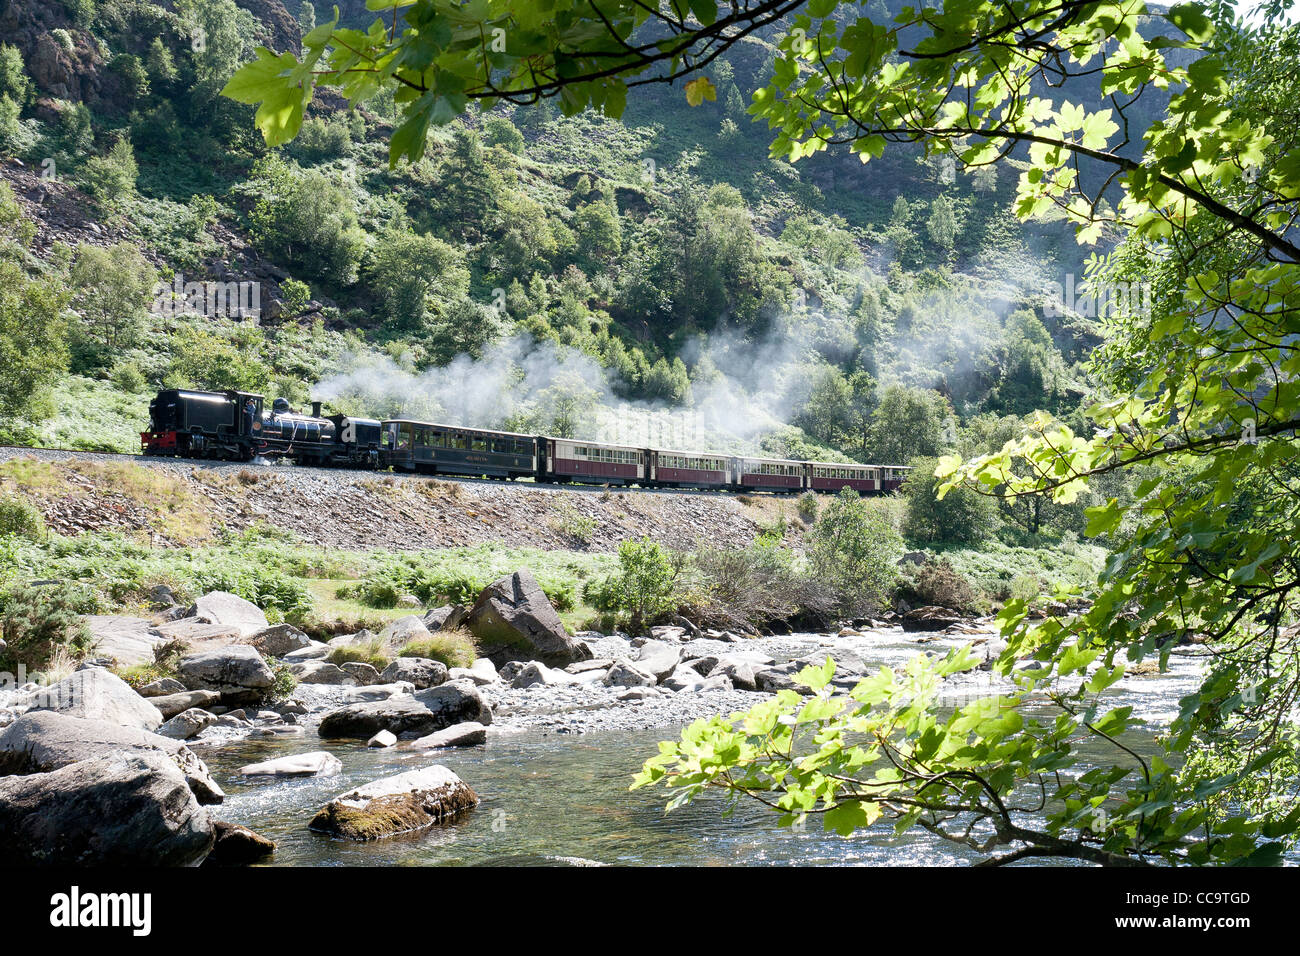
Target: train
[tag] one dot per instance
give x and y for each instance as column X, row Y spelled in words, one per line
column 237, row 426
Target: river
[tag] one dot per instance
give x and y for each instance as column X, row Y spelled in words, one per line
column 557, row 797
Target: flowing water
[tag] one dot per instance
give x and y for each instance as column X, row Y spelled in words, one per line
column 563, row 798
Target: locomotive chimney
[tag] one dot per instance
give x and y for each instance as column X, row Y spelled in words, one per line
column 315, row 409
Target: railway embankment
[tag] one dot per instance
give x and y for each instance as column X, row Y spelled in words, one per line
column 183, row 502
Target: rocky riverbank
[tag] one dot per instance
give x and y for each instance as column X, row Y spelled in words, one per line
column 141, row 754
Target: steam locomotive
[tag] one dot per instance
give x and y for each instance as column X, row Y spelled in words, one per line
column 236, row 426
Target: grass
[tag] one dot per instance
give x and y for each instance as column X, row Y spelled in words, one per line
column 453, row 648
column 367, row 652
column 1003, row 571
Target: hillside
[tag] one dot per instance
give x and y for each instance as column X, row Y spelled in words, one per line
column 659, row 281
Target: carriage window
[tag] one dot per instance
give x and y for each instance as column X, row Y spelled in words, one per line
column 403, row 436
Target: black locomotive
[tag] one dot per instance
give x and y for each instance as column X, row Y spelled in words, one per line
column 235, row 426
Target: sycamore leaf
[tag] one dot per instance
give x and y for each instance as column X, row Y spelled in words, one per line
column 700, row 89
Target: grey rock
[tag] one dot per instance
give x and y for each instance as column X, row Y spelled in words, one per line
column 314, row 651
column 43, row 741
column 127, row 640
column 361, row 673
column 96, row 694
column 510, row 670
column 319, row 672
column 235, row 845
column 402, row 631
column 385, row 738
column 455, row 702
column 221, row 607
column 161, row 688
column 513, row 620
column 236, row 671
column 404, row 803
column 469, row 734
column 535, row 673
column 403, row 716
column 187, row 724
column 658, row 657
column 930, row 618
column 446, row 618
column 628, row 674
column 119, row 809
column 173, row 704
column 279, row 640
column 319, row 763
column 418, row 671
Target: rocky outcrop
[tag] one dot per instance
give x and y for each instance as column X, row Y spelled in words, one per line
column 230, row 610
column 405, row 803
column 96, row 694
column 119, row 809
column 126, row 640
column 44, row 741
column 513, row 620
column 237, row 672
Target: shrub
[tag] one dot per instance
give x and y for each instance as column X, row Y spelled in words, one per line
column 113, row 175
column 453, row 648
column 808, row 506
column 38, row 622
column 937, row 583
column 853, row 549
column 755, row 587
column 285, row 683
column 645, row 587
column 20, row 519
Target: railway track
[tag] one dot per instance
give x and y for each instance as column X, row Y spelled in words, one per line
column 154, row 461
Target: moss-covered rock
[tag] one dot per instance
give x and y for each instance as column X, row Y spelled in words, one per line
column 404, row 803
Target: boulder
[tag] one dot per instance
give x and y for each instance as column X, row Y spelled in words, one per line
column 513, row 620
column 319, row 672
column 403, row 716
column 43, row 741
column 187, row 724
column 930, row 618
column 628, row 674
column 127, row 640
column 537, row 673
column 173, row 704
column 684, row 679
column 658, row 657
column 319, row 763
column 446, row 618
column 361, row 673
column 234, row 845
column 278, row 640
column 236, row 671
column 385, row 738
column 668, row 632
column 404, row 803
column 118, row 809
column 402, row 631
column 399, row 688
column 161, row 688
column 221, row 607
column 781, row 676
column 742, row 674
column 469, row 734
column 419, row 671
column 96, row 694
column 455, row 702
column 481, row 672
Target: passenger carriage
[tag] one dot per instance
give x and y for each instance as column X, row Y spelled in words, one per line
column 432, row 448
column 572, row 460
column 692, row 469
column 768, row 474
column 828, row 476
